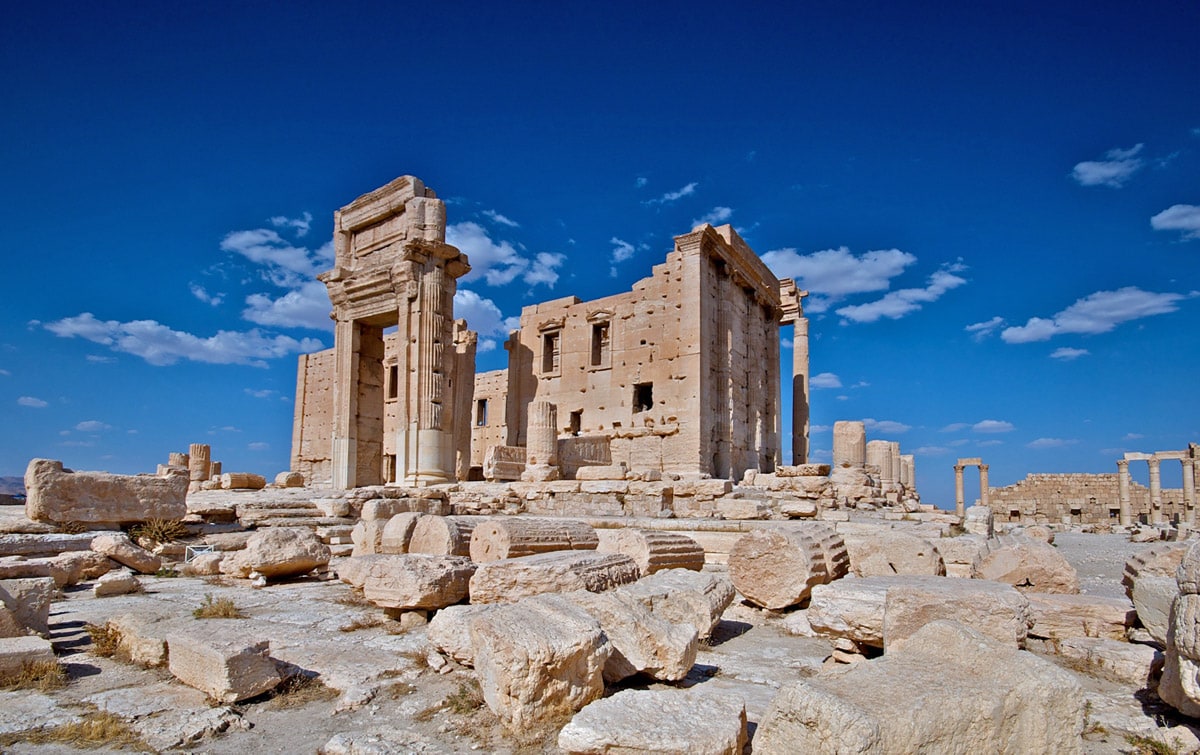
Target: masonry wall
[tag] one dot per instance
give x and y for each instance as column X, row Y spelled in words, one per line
column 1078, row 498
column 312, row 426
column 488, row 425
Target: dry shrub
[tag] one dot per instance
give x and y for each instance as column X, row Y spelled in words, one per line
column 363, row 622
column 43, row 676
column 299, row 690
column 467, row 699
column 105, row 638
column 71, row 528
column 160, row 530
column 220, row 608
column 96, row 729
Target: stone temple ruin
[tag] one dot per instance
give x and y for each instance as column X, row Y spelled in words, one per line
column 597, row 549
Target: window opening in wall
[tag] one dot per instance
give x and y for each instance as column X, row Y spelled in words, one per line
column 1114, row 513
column 600, row 340
column 481, row 412
column 393, row 381
column 643, row 397
column 550, row 352
column 389, row 467
column 576, row 422
column 1014, row 516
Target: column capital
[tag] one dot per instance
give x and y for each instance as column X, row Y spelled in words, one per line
column 1123, row 465
column 1154, row 462
column 959, row 467
column 983, row 467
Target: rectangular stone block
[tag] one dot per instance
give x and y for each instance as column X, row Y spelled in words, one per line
column 15, row 652
column 226, row 667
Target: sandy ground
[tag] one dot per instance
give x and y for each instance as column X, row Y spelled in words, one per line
column 381, row 696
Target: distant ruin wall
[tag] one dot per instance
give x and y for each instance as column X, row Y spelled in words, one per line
column 312, row 429
column 1077, row 498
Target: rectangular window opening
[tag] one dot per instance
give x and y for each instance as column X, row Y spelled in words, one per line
column 576, row 422
column 393, row 381
column 481, row 412
column 550, row 352
column 643, row 397
column 600, row 341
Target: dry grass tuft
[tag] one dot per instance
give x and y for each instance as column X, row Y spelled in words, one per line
column 467, row 699
column 1150, row 746
column 298, row 691
column 363, row 622
column 43, row 676
column 220, row 608
column 105, row 638
column 160, row 530
column 354, row 600
column 97, row 729
column 72, row 528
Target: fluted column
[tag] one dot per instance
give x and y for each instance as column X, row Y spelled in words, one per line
column 1156, row 512
column 1123, row 492
column 984, row 498
column 1189, row 489
column 960, row 507
column 849, row 444
column 541, row 453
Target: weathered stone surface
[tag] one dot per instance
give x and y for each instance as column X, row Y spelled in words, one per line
column 367, row 536
column 560, row 571
column 997, row 611
column 851, row 608
column 450, row 631
column 121, row 582
column 641, row 642
column 962, row 555
column 949, row 689
column 680, row 722
column 14, row 567
column 443, row 535
column 1188, row 573
column 15, row 652
column 204, row 565
column 278, row 552
column 1061, row 616
column 1126, row 662
column 397, row 532
column 142, row 636
column 417, row 581
column 888, row 552
column 73, row 567
column 1039, row 532
column 55, row 494
column 242, row 481
column 29, row 601
column 685, row 596
column 118, row 547
column 222, row 665
column 1028, row 565
column 776, row 569
column 653, row 550
column 1179, row 686
column 32, row 545
column 353, row 570
column 1152, row 596
column 832, row 545
column 798, row 508
column 803, row 470
column 512, row 537
column 979, row 520
column 9, row 626
column 538, row 660
column 289, row 480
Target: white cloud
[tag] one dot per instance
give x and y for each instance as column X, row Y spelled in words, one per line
column 885, row 426
column 1133, row 436
column 1113, row 171
column 931, row 451
column 200, row 293
column 1179, row 217
column 1096, row 313
column 959, row 442
column 499, row 263
column 264, row 393
column 955, row 427
column 820, row 428
column 160, row 345
column 672, row 196
column 306, row 306
column 621, row 251
column 258, row 445
column 5, row 373
column 32, row 402
column 715, row 216
column 982, row 330
column 825, row 380
column 496, row 217
column 897, row 304
column 641, row 181
column 992, row 426
column 285, row 265
column 92, row 426
column 1068, row 354
column 833, row 274
column 989, row 443
column 100, row 359
column 300, row 225
column 483, row 317
column 1051, row 443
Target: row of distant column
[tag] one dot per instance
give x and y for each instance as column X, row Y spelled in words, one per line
column 1156, row 505
column 852, row 450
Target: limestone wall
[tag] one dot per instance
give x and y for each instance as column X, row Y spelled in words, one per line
column 488, row 426
column 312, row 429
column 1077, row 498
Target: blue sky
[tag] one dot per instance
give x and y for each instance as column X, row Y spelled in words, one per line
column 994, row 205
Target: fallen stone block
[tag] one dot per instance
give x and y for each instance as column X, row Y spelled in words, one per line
column 58, row 495
column 450, row 631
column 980, row 520
column 775, row 568
column 642, row 643
column 851, row 608
column 803, row 470
column 16, row 567
column 397, row 532
column 962, row 555
column 997, row 611
column 16, row 652
column 949, row 689
column 204, row 565
column 289, row 480
column 277, row 553
column 538, row 660
column 29, row 601
column 367, row 536
column 223, row 666
column 353, row 570
column 887, row 552
column 685, row 596
column 443, row 535
column 118, row 547
column 653, row 550
column 417, row 581
column 1061, row 616
column 242, row 481
column 122, row 582
column 1125, row 662
column 35, row 545
column 73, row 567
column 499, row 538
column 798, row 508
column 1149, row 580
column 558, row 571
column 680, row 722
column 1028, row 565
column 142, row 636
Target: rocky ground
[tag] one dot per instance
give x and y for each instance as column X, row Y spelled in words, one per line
column 374, row 685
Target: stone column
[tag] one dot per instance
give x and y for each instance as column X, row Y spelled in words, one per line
column 541, row 453
column 1123, row 492
column 464, row 396
column 960, row 507
column 199, row 468
column 1156, row 512
column 849, row 444
column 879, row 455
column 908, row 469
column 984, row 498
column 179, row 460
column 897, row 468
column 344, row 450
column 1189, row 489
column 792, row 300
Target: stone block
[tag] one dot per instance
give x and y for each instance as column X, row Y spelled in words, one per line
column 121, row 582
column 450, row 631
column 980, row 520
column 142, row 636
column 613, row 472
column 1029, row 565
column 289, row 480
column 29, row 601
column 1125, row 662
column 684, row 596
column 798, row 508
column 512, row 537
column 242, row 481
column 950, row 689
column 743, row 508
column 851, row 608
column 58, row 495
column 679, row 722
column 997, row 611
column 397, row 532
column 15, row 652
column 962, row 555
column 278, row 553
column 1058, row 617
column 224, row 666
column 803, row 470
column 888, row 552
column 417, row 581
column 775, row 568
column 642, row 643
column 538, row 660
column 653, row 550
column 118, row 547
column 559, row 571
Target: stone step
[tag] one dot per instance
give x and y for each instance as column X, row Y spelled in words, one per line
column 249, row 517
column 297, row 521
